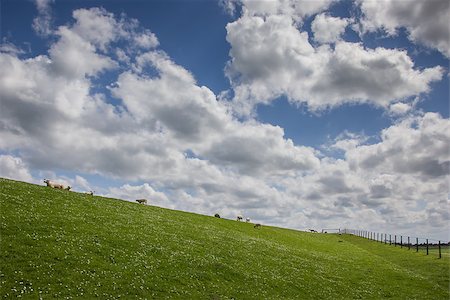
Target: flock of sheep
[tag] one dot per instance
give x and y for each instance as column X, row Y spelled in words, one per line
column 61, row 186
column 240, row 218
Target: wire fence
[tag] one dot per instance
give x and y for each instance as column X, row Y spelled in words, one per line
column 425, row 245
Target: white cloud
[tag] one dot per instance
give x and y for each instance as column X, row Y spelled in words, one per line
column 14, row 168
column 270, row 58
column 82, row 183
column 75, row 57
column 96, row 26
column 328, row 29
column 7, row 47
column 425, row 21
column 42, row 23
column 399, row 108
column 146, row 40
column 407, row 150
column 297, row 9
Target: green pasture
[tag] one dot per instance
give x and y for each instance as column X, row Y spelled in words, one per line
column 57, row 244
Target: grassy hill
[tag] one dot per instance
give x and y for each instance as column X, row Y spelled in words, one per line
column 63, row 244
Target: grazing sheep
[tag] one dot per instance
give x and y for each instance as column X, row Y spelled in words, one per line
column 57, row 185
column 141, row 201
column 239, row 218
column 90, row 193
column 52, row 184
column 312, row 230
column 257, row 225
column 247, row 220
column 217, row 216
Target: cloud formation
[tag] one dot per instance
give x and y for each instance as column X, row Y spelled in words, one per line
column 271, row 57
column 425, row 21
column 14, row 168
column 328, row 29
column 43, row 22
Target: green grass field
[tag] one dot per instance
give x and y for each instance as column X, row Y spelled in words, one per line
column 60, row 244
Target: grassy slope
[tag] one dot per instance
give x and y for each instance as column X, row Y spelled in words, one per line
column 64, row 244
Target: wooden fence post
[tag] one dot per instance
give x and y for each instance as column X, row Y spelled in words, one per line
column 401, row 241
column 395, row 240
column 409, row 244
column 390, row 239
column 427, row 246
column 417, row 244
column 440, row 256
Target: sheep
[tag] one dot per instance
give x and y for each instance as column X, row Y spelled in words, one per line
column 52, row 184
column 217, row 216
column 257, row 225
column 239, row 218
column 247, row 220
column 312, row 230
column 90, row 193
column 57, row 185
column 142, row 201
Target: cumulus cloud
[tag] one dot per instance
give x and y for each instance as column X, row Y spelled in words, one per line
column 399, row 108
column 270, row 58
column 328, row 29
column 56, row 122
column 14, row 168
column 422, row 151
column 399, row 180
column 297, row 9
column 425, row 21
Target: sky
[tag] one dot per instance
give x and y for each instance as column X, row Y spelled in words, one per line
column 299, row 114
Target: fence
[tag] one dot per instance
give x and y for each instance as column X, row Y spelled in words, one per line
column 429, row 246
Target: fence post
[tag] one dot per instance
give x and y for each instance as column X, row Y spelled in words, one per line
column 409, row 244
column 395, row 240
column 390, row 239
column 401, row 241
column 417, row 244
column 440, row 256
column 427, row 246
column 385, row 238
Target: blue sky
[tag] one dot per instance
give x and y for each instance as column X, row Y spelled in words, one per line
column 294, row 113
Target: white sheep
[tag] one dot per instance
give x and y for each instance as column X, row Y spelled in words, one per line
column 239, row 218
column 56, row 185
column 90, row 193
column 247, row 220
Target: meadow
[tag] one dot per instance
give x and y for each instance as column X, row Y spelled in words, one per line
column 68, row 245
